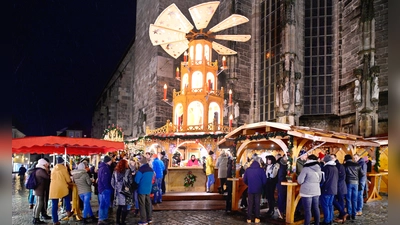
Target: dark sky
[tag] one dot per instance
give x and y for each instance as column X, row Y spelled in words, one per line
column 64, row 53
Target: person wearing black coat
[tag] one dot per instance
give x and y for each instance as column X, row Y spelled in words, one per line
column 338, row 202
column 353, row 175
column 329, row 185
column 230, row 169
column 282, row 189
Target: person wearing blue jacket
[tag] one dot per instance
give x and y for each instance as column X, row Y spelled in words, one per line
column 143, row 178
column 105, row 188
column 255, row 178
column 158, row 167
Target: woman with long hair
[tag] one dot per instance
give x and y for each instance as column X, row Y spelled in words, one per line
column 272, row 180
column 121, row 181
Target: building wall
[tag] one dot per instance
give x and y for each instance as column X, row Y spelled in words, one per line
column 137, row 84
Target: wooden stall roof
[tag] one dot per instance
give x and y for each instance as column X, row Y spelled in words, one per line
column 310, row 133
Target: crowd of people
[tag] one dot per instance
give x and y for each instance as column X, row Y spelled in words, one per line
column 121, row 182
column 325, row 185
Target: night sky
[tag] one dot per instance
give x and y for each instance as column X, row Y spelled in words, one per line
column 64, row 53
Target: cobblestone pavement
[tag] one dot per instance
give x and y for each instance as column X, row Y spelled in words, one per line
column 375, row 213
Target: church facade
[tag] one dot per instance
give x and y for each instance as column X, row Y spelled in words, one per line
column 316, row 63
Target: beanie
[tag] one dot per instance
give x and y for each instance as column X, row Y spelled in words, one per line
column 41, row 163
column 81, row 166
column 321, row 155
column 60, row 160
column 327, row 158
column 348, row 157
column 163, row 153
column 107, row 159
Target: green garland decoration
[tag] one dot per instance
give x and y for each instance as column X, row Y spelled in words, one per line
column 377, row 159
column 189, row 179
column 163, row 137
column 289, row 155
column 113, row 127
column 258, row 136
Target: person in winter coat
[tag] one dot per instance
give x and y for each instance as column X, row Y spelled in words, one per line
column 362, row 185
column 309, row 179
column 328, row 188
column 255, row 178
column 231, row 168
column 354, row 174
column 271, row 172
column 158, row 167
column 282, row 189
column 193, row 161
column 165, row 160
column 84, row 187
column 43, row 180
column 144, row 178
column 210, row 171
column 338, row 201
column 104, row 188
column 59, row 188
column 31, row 196
column 222, row 165
column 121, row 181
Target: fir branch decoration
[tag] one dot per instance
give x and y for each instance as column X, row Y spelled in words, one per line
column 189, row 179
column 377, row 156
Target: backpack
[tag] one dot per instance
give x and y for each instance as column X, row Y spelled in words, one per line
column 31, row 183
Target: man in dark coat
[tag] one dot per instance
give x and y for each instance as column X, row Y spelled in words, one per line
column 165, row 160
column 255, row 178
column 354, row 174
column 282, row 189
column 338, row 202
column 329, row 185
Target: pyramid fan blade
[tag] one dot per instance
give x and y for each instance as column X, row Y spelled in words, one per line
column 172, row 18
column 202, row 13
column 238, row 37
column 162, row 35
column 222, row 50
column 177, row 48
column 233, row 20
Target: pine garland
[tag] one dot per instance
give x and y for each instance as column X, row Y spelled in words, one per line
column 377, row 159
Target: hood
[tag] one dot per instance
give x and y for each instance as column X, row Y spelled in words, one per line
column 103, row 164
column 255, row 164
column 78, row 173
column 313, row 164
column 330, row 163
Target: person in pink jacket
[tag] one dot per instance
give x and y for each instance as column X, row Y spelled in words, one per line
column 193, row 161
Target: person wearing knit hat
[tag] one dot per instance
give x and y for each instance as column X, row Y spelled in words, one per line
column 41, row 191
column 59, row 188
column 84, row 187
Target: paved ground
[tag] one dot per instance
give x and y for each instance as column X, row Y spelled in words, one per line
column 375, row 213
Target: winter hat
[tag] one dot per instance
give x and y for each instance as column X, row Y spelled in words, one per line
column 321, row 155
column 81, row 166
column 302, row 152
column 41, row 163
column 327, row 158
column 348, row 157
column 60, row 160
column 106, row 159
column 163, row 153
column 210, row 152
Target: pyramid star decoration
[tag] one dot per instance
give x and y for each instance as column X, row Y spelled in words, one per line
column 174, row 36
